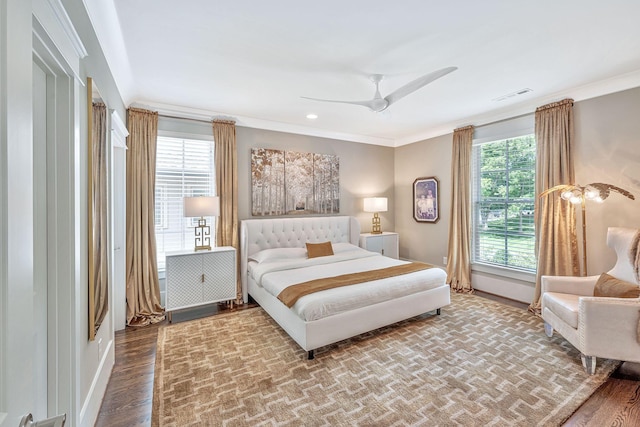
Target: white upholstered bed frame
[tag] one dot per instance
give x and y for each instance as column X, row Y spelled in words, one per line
column 260, row 234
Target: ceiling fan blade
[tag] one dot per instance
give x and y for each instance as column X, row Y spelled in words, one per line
column 417, row 84
column 368, row 104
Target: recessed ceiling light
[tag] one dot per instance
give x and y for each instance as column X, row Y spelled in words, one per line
column 312, row 116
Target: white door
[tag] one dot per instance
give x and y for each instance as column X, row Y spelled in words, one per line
column 118, row 224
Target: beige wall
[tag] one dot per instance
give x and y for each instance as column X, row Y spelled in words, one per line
column 365, row 170
column 607, row 149
column 607, row 141
column 421, row 241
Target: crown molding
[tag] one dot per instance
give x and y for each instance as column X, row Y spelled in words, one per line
column 255, row 123
column 119, row 131
column 67, row 26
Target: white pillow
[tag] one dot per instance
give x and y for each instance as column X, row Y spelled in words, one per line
column 344, row 247
column 277, row 254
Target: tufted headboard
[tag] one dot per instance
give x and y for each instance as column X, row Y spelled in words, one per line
column 259, row 234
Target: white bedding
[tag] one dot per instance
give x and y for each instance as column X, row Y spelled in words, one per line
column 275, row 269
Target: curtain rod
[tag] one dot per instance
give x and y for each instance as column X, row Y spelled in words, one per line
column 185, row 118
column 503, row 120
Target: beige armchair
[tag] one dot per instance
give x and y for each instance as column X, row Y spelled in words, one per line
column 605, row 327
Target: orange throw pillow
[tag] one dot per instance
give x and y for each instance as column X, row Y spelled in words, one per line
column 609, row 286
column 315, row 250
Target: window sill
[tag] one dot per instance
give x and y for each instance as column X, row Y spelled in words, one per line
column 510, row 273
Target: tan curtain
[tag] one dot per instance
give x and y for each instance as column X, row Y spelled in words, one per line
column 99, row 206
column 226, row 158
column 556, row 239
column 459, row 255
column 143, row 289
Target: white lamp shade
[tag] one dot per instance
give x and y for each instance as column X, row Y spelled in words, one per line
column 201, row 206
column 375, row 204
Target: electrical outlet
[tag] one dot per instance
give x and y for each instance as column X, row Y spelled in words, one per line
column 444, row 260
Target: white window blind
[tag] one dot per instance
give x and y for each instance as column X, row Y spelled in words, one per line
column 503, row 191
column 184, row 167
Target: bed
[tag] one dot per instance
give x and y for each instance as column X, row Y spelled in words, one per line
column 273, row 256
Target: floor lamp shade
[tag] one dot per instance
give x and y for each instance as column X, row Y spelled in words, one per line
column 201, row 207
column 375, row 205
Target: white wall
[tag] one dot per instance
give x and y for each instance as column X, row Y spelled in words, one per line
column 79, row 370
column 16, row 213
column 94, row 358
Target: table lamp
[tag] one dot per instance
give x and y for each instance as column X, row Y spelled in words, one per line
column 202, row 206
column 375, row 205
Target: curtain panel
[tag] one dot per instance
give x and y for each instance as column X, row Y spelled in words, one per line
column 143, row 288
column 459, row 254
column 226, row 160
column 556, row 240
column 100, row 215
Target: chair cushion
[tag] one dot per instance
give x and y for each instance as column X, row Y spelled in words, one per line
column 609, row 286
column 565, row 306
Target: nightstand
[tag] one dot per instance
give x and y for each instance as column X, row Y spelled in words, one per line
column 199, row 278
column 385, row 243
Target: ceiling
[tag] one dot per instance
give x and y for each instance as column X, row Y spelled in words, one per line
column 253, row 60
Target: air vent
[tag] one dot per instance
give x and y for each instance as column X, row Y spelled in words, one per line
column 512, row 94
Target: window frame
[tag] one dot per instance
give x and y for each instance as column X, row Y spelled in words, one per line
column 506, row 129
column 187, row 190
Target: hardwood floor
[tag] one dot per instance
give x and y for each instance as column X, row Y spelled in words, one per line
column 129, row 395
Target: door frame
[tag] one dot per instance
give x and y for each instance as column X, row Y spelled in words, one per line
column 117, row 224
column 62, row 231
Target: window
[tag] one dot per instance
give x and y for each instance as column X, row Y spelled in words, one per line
column 503, row 191
column 184, row 167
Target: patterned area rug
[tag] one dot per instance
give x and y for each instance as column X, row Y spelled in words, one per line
column 480, row 363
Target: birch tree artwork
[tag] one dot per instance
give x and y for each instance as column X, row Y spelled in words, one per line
column 294, row 183
column 326, row 184
column 267, row 182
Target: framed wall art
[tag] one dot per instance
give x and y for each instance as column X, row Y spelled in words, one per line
column 294, row 183
column 426, row 203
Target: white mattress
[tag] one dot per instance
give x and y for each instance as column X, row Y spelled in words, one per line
column 281, row 268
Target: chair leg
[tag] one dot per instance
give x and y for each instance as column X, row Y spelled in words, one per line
column 548, row 329
column 589, row 363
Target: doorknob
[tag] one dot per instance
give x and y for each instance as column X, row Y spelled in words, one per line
column 57, row 421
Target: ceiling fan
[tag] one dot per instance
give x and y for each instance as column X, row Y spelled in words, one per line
column 378, row 103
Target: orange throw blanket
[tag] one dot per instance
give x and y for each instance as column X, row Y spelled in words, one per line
column 293, row 293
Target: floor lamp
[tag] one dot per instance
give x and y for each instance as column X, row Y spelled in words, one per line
column 577, row 194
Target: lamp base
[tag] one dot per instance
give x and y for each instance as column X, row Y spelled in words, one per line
column 202, row 233
column 375, row 224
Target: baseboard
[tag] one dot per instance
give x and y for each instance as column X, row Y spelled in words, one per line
column 93, row 402
column 513, row 289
